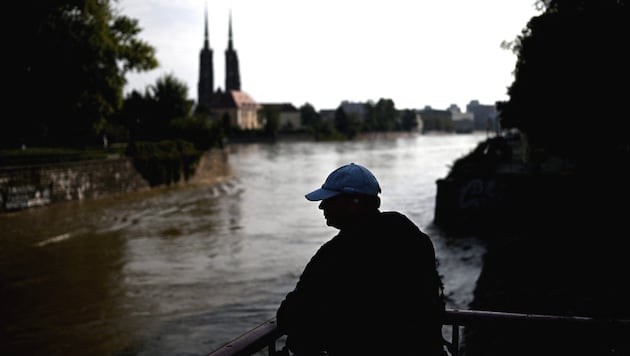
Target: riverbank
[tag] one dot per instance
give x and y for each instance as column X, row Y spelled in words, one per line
column 24, row 187
column 555, row 246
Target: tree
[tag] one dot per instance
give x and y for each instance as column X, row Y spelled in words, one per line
column 409, row 121
column 272, row 121
column 383, row 115
column 170, row 98
column 69, row 61
column 570, row 79
column 133, row 113
column 163, row 112
column 346, row 124
column 308, row 115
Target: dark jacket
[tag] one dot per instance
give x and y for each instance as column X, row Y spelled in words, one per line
column 372, row 289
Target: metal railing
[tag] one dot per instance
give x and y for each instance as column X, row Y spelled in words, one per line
column 266, row 334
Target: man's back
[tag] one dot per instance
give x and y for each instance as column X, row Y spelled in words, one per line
column 373, row 289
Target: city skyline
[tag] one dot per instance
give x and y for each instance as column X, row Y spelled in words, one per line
column 433, row 53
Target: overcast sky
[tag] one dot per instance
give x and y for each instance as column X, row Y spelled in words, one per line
column 415, row 52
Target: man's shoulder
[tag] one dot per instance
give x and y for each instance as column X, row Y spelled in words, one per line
column 398, row 221
column 393, row 213
column 396, row 217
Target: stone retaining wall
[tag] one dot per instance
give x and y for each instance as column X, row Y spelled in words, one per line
column 500, row 200
column 31, row 186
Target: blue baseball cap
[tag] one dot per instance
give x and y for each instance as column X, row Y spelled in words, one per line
column 348, row 179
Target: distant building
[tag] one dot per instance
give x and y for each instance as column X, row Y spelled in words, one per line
column 449, row 120
column 289, row 116
column 436, row 120
column 485, row 116
column 327, row 114
column 237, row 107
column 232, row 105
column 463, row 122
column 358, row 109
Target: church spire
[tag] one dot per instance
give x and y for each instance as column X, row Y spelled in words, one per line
column 205, row 86
column 206, row 40
column 232, row 75
column 230, row 42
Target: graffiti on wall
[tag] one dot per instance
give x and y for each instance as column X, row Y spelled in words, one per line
column 478, row 194
column 24, row 196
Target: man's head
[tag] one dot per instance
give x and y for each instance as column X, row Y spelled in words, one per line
column 348, row 179
column 349, row 192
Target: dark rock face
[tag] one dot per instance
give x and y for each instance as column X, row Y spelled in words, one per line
column 567, row 275
column 556, row 246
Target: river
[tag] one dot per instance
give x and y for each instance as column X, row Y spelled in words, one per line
column 182, row 270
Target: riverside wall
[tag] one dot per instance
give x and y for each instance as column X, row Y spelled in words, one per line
column 476, row 202
column 24, row 187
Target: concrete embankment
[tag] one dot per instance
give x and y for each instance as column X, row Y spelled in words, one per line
column 32, row 186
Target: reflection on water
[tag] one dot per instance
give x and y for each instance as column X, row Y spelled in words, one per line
column 183, row 270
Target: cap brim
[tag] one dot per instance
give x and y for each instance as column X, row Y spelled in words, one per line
column 321, row 194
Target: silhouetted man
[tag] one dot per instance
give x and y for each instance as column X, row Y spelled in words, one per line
column 374, row 288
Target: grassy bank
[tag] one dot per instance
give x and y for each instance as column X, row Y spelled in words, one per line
column 42, row 155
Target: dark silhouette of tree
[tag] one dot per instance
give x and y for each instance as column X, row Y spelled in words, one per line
column 149, row 116
column 570, row 81
column 567, row 100
column 271, row 116
column 324, row 130
column 68, row 62
column 346, row 124
column 226, row 124
column 132, row 116
column 308, row 115
column 409, row 120
column 163, row 112
column 382, row 116
column 170, row 97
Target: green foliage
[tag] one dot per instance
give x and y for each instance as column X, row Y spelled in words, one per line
column 199, row 130
column 164, row 162
column 409, row 120
column 325, row 131
column 171, row 100
column 437, row 123
column 150, row 116
column 131, row 116
column 163, row 112
column 166, row 140
column 346, row 124
column 308, row 115
column 381, row 116
column 69, row 64
column 569, row 81
column 226, row 124
column 272, row 121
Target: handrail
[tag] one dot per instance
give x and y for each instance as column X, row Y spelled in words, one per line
column 266, row 334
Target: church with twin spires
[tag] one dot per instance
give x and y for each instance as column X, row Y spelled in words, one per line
column 231, row 105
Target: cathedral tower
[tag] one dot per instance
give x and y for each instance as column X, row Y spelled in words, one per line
column 232, row 76
column 232, row 106
column 205, row 86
